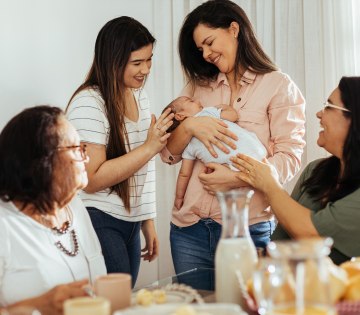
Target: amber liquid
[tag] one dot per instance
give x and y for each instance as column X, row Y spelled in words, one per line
column 308, row 310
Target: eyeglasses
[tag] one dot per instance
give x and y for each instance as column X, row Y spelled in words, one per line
column 80, row 151
column 329, row 105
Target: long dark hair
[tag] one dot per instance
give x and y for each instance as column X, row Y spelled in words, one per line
column 114, row 44
column 220, row 14
column 28, row 145
column 326, row 183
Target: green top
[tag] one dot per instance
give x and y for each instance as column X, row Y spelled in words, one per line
column 339, row 219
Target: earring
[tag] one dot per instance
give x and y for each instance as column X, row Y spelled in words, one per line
column 235, row 35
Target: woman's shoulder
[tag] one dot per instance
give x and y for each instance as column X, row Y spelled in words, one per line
column 7, row 209
column 311, row 166
column 278, row 76
column 87, row 102
column 89, row 96
column 282, row 84
column 9, row 221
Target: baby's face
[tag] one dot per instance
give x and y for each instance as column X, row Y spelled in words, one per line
column 191, row 107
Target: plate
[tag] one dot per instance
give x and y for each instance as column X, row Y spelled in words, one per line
column 171, row 297
column 168, row 309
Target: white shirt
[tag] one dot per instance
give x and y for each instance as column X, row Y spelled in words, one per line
column 30, row 263
column 87, row 113
column 247, row 143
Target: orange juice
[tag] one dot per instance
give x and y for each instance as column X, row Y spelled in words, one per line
column 308, row 310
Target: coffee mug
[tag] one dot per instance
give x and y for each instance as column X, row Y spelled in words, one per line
column 116, row 287
column 87, row 306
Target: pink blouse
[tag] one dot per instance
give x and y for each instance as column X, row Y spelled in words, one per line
column 270, row 105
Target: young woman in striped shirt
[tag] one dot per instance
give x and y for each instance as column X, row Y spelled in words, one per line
column 110, row 111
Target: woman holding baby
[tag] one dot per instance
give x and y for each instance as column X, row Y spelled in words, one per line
column 225, row 64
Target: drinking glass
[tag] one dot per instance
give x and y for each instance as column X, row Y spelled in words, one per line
column 301, row 275
column 272, row 283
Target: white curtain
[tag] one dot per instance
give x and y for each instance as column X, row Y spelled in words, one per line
column 165, row 83
column 314, row 41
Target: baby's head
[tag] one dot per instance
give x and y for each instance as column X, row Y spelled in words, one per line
column 183, row 107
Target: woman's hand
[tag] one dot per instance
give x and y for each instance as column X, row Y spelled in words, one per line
column 211, row 131
column 217, row 177
column 179, row 201
column 151, row 249
column 51, row 302
column 157, row 136
column 261, row 175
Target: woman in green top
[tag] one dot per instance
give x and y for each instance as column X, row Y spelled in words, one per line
column 326, row 199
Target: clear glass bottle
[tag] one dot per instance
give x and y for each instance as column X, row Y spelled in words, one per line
column 307, row 275
column 236, row 256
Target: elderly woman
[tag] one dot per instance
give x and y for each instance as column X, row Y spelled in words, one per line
column 326, row 199
column 47, row 243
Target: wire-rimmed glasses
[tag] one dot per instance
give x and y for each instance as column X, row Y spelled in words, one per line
column 80, row 151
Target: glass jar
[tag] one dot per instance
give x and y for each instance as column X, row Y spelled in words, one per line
column 305, row 274
column 235, row 256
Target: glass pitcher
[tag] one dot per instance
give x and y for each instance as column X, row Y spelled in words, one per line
column 235, row 256
column 304, row 275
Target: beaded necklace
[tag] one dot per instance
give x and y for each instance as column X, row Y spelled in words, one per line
column 65, row 229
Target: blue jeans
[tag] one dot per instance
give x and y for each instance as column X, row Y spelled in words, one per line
column 261, row 232
column 120, row 242
column 194, row 246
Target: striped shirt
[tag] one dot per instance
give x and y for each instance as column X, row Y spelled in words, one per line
column 87, row 114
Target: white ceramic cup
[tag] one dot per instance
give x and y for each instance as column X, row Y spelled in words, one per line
column 87, row 306
column 116, row 287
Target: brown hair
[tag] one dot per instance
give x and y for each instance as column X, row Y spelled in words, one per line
column 173, row 106
column 28, row 144
column 220, row 14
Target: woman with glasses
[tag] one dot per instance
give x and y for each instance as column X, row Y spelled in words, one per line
column 48, row 247
column 326, row 198
column 111, row 112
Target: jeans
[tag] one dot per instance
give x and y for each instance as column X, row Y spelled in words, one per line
column 194, row 246
column 120, row 242
column 261, row 232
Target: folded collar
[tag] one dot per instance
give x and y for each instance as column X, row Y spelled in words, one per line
column 247, row 78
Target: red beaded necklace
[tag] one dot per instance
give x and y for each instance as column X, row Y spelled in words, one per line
column 64, row 229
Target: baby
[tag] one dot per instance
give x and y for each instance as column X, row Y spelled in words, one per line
column 247, row 142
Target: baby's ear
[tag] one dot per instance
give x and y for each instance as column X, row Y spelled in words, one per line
column 179, row 117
